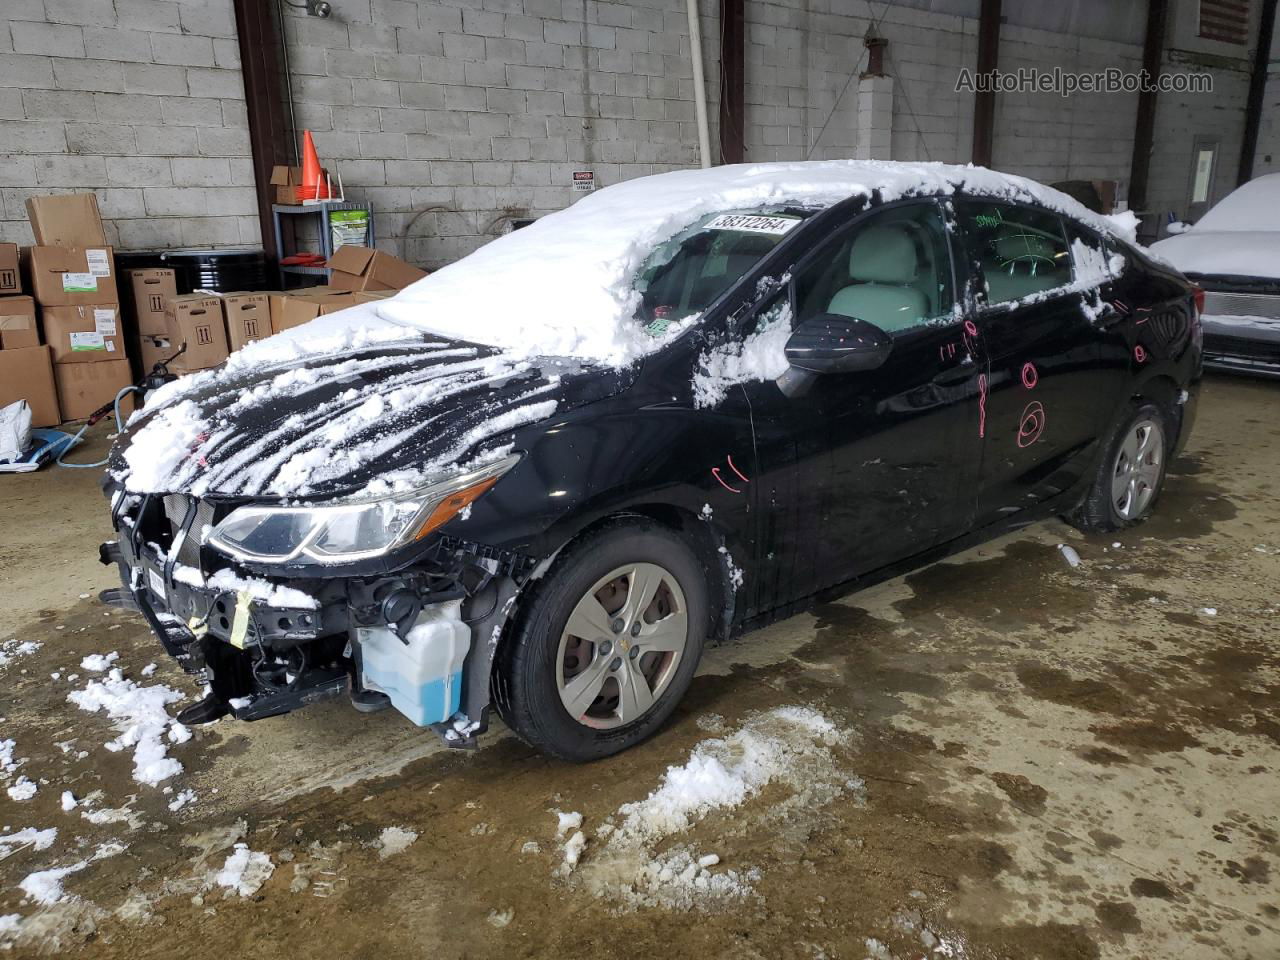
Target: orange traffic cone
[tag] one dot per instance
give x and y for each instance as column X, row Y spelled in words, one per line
column 314, row 186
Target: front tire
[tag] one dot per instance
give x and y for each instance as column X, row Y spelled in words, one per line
column 607, row 645
column 1131, row 473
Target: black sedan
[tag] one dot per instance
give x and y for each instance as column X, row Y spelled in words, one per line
column 827, row 391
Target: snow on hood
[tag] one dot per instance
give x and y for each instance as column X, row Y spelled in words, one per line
column 1239, row 253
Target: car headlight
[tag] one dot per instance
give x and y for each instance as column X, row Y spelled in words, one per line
column 355, row 530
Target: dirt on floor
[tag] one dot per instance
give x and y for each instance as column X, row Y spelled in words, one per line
column 998, row 756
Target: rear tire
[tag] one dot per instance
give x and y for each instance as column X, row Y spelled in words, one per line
column 607, row 644
column 1131, row 472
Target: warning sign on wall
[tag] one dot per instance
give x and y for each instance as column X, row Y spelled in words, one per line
column 584, row 181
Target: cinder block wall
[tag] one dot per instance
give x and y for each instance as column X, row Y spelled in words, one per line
column 139, row 100
column 452, row 117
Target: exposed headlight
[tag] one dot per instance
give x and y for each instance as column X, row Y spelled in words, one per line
column 357, row 530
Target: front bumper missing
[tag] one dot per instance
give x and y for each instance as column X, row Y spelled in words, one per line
column 196, row 626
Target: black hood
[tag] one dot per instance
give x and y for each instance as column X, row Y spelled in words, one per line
column 391, row 417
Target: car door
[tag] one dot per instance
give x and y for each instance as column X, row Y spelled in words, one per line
column 902, row 439
column 1044, row 397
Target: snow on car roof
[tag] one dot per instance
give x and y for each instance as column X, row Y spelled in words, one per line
column 563, row 285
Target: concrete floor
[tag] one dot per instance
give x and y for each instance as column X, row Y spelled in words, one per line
column 1035, row 761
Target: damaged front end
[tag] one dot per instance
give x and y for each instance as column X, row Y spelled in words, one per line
column 279, row 606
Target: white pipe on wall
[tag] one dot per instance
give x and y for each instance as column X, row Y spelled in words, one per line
column 699, row 84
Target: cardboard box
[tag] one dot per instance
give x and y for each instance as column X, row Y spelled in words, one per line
column 153, row 350
column 369, row 296
column 152, row 289
column 71, row 220
column 72, row 276
column 296, row 308
column 196, row 320
column 286, row 180
column 18, row 327
column 84, row 387
column 248, row 317
column 364, row 268
column 86, row 334
column 10, row 276
column 26, row 373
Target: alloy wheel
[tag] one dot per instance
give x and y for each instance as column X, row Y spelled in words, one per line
column 621, row 645
column 1136, row 476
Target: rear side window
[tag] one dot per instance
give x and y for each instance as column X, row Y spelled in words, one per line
column 1021, row 252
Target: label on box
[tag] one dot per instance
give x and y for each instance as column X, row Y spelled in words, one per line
column 155, row 582
column 79, row 283
column 87, row 341
column 99, row 263
column 104, row 320
column 111, row 346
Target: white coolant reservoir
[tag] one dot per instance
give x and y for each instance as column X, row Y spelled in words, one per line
column 423, row 677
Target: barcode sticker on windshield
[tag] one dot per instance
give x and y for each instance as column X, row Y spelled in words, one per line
column 752, row 223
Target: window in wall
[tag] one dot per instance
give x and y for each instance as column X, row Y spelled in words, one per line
column 1225, row 20
column 1021, row 251
column 893, row 270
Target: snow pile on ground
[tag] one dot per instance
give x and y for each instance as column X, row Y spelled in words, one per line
column 183, row 798
column 22, row 789
column 139, row 715
column 638, row 865
column 10, row 843
column 13, row 649
column 99, row 662
column 394, row 840
column 45, row 886
column 244, row 871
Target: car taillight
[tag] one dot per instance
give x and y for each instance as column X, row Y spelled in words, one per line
column 1197, row 294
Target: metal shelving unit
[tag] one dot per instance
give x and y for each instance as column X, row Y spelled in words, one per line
column 321, row 210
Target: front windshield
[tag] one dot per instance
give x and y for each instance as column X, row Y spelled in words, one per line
column 685, row 275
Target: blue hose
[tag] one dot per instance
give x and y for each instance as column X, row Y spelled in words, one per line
column 115, row 406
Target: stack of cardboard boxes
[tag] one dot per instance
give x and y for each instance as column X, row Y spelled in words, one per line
column 74, row 282
column 82, row 361
column 26, row 372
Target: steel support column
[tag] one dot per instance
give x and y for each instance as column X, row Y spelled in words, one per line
column 269, row 134
column 984, row 102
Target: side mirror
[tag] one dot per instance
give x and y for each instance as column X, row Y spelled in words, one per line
column 831, row 343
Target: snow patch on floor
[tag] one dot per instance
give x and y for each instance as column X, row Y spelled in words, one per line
column 138, row 714
column 22, row 789
column 15, row 649
column 245, row 871
column 635, row 862
column 10, row 843
column 394, row 840
column 99, row 662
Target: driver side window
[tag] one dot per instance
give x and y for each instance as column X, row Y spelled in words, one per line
column 893, row 269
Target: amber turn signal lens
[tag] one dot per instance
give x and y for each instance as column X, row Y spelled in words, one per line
column 447, row 508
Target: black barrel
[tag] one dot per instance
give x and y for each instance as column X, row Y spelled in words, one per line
column 222, row 270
